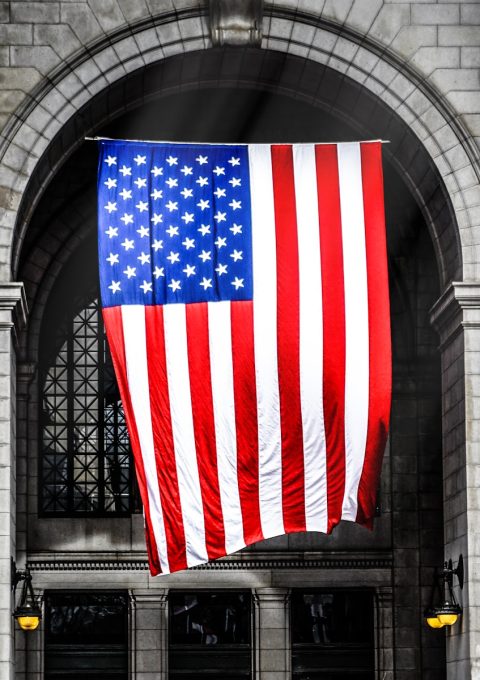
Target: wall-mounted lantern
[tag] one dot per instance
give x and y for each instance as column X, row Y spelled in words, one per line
column 447, row 610
column 28, row 612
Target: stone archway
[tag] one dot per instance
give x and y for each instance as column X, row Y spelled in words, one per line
column 427, row 147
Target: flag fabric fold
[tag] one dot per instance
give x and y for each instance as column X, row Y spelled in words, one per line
column 245, row 298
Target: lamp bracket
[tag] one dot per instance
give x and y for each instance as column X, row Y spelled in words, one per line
column 449, row 572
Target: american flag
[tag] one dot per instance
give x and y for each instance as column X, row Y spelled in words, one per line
column 245, row 298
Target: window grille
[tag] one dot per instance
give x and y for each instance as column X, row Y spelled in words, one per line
column 86, row 461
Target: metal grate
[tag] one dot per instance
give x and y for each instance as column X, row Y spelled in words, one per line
column 86, row 466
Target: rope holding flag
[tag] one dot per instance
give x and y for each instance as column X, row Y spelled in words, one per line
column 245, row 298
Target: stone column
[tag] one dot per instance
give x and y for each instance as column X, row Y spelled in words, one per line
column 272, row 634
column 456, row 316
column 12, row 316
column 149, row 626
column 384, row 629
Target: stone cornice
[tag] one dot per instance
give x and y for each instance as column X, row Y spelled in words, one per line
column 457, row 308
column 13, row 306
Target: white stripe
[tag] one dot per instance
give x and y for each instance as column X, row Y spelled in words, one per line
column 221, row 366
column 133, row 320
column 356, row 321
column 176, row 352
column 311, row 338
column 265, row 340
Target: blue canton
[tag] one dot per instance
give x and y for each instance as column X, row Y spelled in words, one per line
column 174, row 223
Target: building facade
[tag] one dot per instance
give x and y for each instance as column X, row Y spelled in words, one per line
column 303, row 606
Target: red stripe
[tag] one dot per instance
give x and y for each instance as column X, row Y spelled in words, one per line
column 288, row 339
column 204, row 426
column 333, row 296
column 244, row 386
column 112, row 317
column 380, row 379
column 163, row 438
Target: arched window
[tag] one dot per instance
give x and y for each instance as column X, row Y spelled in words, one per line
column 86, row 463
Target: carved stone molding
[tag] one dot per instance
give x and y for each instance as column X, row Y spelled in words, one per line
column 458, row 308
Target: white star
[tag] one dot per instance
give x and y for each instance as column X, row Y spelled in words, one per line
column 130, row 271
column 146, row 287
column 234, row 161
column 172, row 231
column 156, row 245
column 128, row 244
column 172, row 182
column 159, row 271
column 237, row 255
column 220, row 193
column 235, row 182
column 172, row 205
column 111, row 160
column 125, row 193
column 174, row 285
column 187, row 193
column 140, row 182
column 202, row 181
column 236, row 229
column 219, row 171
column 125, row 170
column 204, row 229
column 156, row 218
column 202, row 159
column 220, row 217
column 221, row 269
column 111, row 207
column 238, row 283
column 203, row 204
column 206, row 283
column 114, row 286
column 173, row 257
column 142, row 206
column 186, row 170
column 156, row 171
column 187, row 217
column 235, row 205
column 143, row 231
column 189, row 270
column 110, row 183
column 144, row 258
column 112, row 231
column 127, row 219
column 189, row 243
column 171, row 160
column 112, row 259
column 220, row 242
column 205, row 255
column 140, row 160
column 156, row 193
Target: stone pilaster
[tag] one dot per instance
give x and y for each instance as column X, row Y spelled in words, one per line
column 456, row 316
column 272, row 634
column 12, row 317
column 148, row 637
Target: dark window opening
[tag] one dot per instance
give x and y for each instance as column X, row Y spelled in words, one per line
column 86, row 635
column 333, row 635
column 210, row 635
column 86, row 460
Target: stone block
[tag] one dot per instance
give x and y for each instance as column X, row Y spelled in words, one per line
column 81, row 20
column 16, row 34
column 440, row 14
column 470, row 13
column 390, row 20
column 35, row 12
column 10, row 99
column 462, row 36
column 60, row 38
column 362, row 15
column 108, row 13
column 465, row 102
column 133, row 10
column 410, row 38
column 43, row 58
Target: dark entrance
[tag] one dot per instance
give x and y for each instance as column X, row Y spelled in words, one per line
column 86, row 635
column 210, row 636
column 333, row 635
